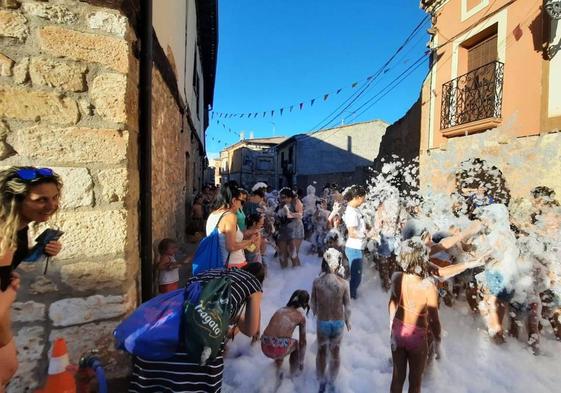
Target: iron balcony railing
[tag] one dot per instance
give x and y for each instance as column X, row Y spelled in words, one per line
column 474, row 96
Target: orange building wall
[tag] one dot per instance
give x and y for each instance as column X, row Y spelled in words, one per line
column 523, row 60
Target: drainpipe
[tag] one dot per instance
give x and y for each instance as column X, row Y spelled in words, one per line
column 145, row 150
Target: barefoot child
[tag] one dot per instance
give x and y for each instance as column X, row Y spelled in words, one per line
column 331, row 305
column 277, row 342
column 168, row 266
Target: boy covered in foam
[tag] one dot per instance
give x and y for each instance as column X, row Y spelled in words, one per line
column 331, row 305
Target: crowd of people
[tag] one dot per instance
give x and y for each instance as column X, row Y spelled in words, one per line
column 502, row 260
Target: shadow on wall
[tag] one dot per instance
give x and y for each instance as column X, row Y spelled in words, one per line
column 402, row 139
column 322, row 162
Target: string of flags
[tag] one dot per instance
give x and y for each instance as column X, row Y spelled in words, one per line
column 226, row 128
column 289, row 108
column 221, row 123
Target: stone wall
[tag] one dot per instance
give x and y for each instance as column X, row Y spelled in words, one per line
column 402, row 138
column 68, row 100
column 170, row 142
column 525, row 162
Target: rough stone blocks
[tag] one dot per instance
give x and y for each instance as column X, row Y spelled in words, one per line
column 70, row 145
column 68, row 76
column 109, row 51
column 108, row 94
column 75, row 311
column 53, row 12
column 85, row 276
column 93, row 233
column 23, row 104
column 13, row 24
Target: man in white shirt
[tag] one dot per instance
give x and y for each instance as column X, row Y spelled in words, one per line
column 357, row 235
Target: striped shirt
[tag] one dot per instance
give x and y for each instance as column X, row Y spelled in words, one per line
column 179, row 373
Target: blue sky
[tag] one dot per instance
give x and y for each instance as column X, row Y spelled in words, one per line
column 275, row 54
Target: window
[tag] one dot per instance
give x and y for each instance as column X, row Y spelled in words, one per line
column 196, row 83
column 264, row 164
column 484, row 52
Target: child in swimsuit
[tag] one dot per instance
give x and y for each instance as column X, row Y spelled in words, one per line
column 413, row 311
column 331, row 304
column 277, row 342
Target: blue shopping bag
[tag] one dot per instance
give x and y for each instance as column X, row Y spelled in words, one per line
column 208, row 254
column 152, row 331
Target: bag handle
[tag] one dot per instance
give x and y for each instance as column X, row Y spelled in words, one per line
column 217, row 223
column 220, row 219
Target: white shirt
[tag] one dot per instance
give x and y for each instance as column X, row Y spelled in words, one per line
column 236, row 257
column 353, row 219
column 169, row 276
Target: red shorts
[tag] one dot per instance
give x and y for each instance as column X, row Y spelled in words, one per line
column 277, row 347
column 165, row 288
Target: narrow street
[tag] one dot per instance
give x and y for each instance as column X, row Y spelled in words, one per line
column 470, row 362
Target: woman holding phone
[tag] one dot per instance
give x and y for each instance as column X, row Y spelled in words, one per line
column 27, row 195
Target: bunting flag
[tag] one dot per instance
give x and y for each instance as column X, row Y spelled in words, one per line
column 300, row 105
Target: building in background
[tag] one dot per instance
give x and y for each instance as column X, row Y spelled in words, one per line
column 341, row 155
column 492, row 97
column 74, row 96
column 249, row 161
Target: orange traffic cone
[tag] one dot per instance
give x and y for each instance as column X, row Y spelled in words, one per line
column 59, row 380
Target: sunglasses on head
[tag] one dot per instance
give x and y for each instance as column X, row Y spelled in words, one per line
column 30, row 174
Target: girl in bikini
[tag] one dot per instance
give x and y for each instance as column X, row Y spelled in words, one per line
column 413, row 311
column 277, row 342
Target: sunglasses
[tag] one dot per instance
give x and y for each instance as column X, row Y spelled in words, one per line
column 30, row 174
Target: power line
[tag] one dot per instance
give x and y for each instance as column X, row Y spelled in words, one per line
column 390, row 87
column 381, row 70
column 395, row 82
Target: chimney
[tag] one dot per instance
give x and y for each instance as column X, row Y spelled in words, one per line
column 242, row 135
column 251, row 135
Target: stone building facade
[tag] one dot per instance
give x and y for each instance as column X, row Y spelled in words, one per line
column 249, row 161
column 341, row 155
column 69, row 99
column 492, row 93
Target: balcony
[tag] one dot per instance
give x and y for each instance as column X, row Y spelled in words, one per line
column 473, row 101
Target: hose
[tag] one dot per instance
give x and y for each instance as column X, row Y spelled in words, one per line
column 92, row 362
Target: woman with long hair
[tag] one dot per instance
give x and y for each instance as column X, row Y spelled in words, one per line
column 229, row 201
column 291, row 227
column 27, row 195
column 413, row 309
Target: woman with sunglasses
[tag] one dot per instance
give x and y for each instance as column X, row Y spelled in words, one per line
column 224, row 217
column 27, row 195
